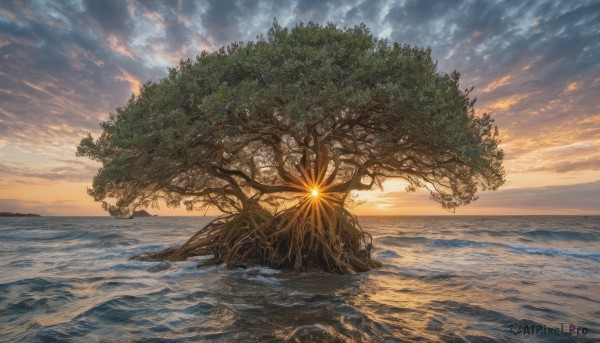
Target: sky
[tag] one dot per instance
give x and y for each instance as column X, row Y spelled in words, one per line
column 535, row 66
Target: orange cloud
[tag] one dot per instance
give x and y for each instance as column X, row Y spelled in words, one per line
column 115, row 45
column 573, row 86
column 134, row 83
column 503, row 81
column 37, row 87
column 505, row 103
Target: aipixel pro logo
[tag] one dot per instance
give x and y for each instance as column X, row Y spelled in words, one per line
column 543, row 330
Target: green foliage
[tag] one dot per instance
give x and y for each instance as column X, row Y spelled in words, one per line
column 233, row 128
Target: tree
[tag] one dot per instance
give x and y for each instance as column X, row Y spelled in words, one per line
column 277, row 132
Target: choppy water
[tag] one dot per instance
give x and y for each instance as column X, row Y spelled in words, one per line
column 445, row 279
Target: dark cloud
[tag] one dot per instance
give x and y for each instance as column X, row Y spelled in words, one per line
column 111, row 15
column 367, row 11
column 420, row 13
column 221, row 19
column 315, row 10
column 176, row 19
column 226, row 21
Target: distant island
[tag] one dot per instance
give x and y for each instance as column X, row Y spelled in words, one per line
column 10, row 214
column 138, row 214
column 142, row 213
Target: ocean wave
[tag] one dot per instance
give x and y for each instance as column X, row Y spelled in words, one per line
column 563, row 235
column 592, row 254
column 439, row 243
column 432, row 242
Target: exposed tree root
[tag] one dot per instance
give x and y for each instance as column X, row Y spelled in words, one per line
column 298, row 238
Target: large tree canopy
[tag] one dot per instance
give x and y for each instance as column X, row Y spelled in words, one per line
column 295, row 120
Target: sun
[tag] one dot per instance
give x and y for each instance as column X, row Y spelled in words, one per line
column 315, row 193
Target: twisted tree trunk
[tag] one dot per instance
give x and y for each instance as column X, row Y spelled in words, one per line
column 298, row 238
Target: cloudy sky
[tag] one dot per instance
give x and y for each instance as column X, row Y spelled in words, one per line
column 535, row 66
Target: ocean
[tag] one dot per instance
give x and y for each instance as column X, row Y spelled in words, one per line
column 444, row 279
